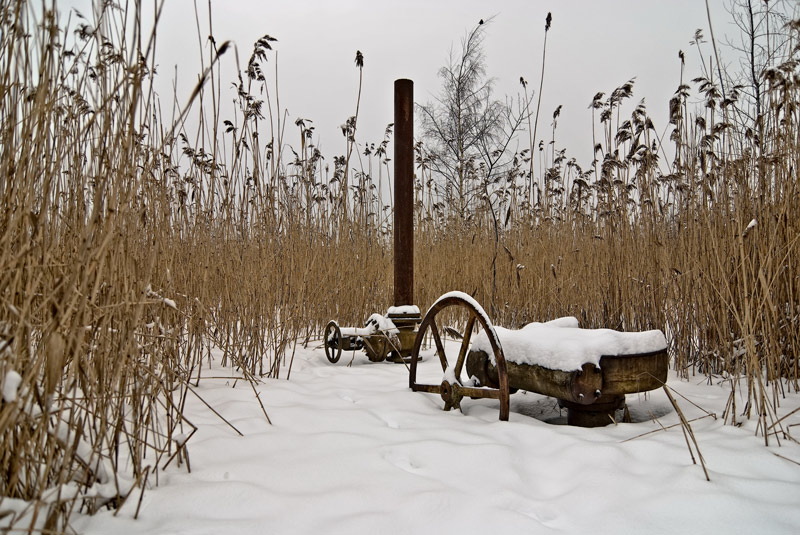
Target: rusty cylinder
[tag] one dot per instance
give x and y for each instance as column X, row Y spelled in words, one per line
column 403, row 192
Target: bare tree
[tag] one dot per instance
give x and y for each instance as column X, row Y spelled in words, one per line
column 764, row 43
column 466, row 131
column 768, row 42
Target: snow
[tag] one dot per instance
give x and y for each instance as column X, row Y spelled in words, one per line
column 560, row 345
column 450, row 376
column 148, row 291
column 382, row 323
column 353, row 450
column 750, row 226
column 22, row 511
column 375, row 323
column 358, row 331
column 110, row 483
column 11, row 385
column 478, row 309
column 406, row 310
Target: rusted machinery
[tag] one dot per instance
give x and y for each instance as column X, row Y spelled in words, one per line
column 493, row 366
column 383, row 337
column 590, row 391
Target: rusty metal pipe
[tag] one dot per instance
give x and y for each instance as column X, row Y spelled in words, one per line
column 403, row 192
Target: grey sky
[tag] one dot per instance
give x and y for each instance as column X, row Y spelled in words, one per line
column 593, row 45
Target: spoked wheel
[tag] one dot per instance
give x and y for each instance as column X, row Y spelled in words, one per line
column 333, row 342
column 453, row 388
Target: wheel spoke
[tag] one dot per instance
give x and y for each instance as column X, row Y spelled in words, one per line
column 430, row 389
column 453, row 393
column 439, row 346
column 475, row 393
column 332, row 342
column 462, row 353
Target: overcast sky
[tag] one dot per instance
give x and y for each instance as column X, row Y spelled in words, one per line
column 593, row 45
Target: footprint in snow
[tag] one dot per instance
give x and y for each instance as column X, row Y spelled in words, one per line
column 402, row 461
column 390, row 423
column 346, row 397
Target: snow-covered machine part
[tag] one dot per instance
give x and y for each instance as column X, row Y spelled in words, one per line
column 589, row 371
column 378, row 338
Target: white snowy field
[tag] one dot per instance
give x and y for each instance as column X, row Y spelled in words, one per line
column 352, row 450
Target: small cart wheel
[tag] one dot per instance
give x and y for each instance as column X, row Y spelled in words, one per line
column 452, row 389
column 333, row 342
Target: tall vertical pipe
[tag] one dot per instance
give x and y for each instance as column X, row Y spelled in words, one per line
column 403, row 192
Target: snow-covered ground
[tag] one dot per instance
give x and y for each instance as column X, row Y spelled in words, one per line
column 352, row 450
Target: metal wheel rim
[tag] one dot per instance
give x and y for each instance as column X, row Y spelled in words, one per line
column 333, row 353
column 429, row 322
